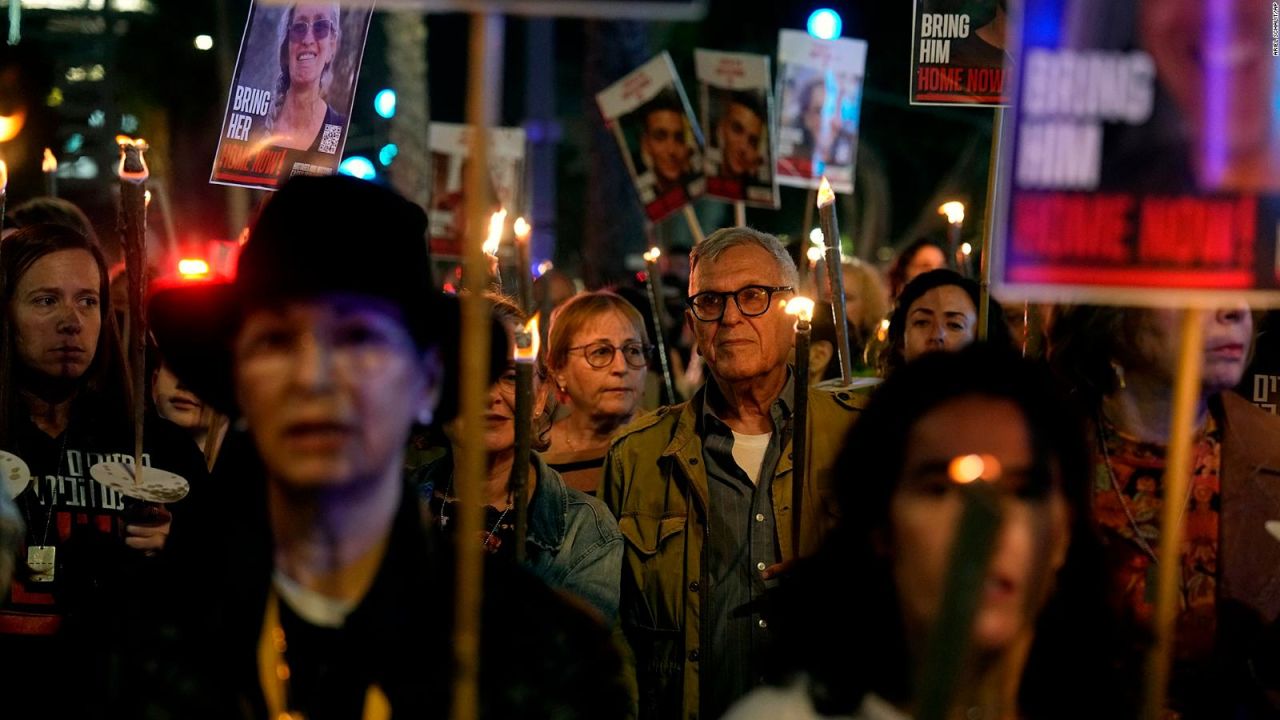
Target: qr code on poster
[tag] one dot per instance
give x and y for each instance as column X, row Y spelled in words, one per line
column 329, row 140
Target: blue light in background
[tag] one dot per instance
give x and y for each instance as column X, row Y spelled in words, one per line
column 388, row 153
column 358, row 166
column 385, row 103
column 825, row 24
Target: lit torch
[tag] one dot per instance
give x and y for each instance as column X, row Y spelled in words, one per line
column 831, row 231
column 49, row 165
column 493, row 243
column 802, row 308
column 817, row 250
column 954, row 210
column 524, row 265
column 970, row 557
column 133, row 212
column 525, row 354
column 653, row 282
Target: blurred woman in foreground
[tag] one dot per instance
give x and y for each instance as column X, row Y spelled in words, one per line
column 862, row 615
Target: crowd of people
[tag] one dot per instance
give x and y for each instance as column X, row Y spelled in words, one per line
column 698, row 559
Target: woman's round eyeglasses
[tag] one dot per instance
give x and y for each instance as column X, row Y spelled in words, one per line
column 600, row 354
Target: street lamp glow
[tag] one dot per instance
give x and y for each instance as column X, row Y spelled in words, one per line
column 825, row 24
column 384, row 103
column 358, row 166
column 204, row 42
column 388, row 153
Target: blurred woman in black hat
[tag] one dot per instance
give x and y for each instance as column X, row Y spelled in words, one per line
column 331, row 600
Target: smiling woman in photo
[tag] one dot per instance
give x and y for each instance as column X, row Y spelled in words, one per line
column 309, row 40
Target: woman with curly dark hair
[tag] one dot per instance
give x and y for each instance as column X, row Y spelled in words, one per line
column 938, row 310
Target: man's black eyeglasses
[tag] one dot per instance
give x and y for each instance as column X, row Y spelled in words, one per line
column 600, row 354
column 752, row 301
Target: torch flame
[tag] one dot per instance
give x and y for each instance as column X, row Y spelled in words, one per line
column 954, row 210
column 801, row 307
column 126, row 140
column 136, row 176
column 652, row 254
column 496, row 221
column 146, row 199
column 817, row 239
column 967, row 468
column 826, row 195
column 4, row 176
column 11, row 125
column 522, row 229
column 966, row 248
column 815, row 253
column 50, row 163
column 528, row 340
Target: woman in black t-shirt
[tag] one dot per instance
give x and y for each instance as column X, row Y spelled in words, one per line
column 90, row 558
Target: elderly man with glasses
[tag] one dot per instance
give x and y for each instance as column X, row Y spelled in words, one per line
column 703, row 490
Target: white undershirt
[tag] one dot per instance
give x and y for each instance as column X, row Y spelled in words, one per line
column 748, row 452
column 318, row 609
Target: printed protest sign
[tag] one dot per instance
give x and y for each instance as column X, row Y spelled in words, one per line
column 821, row 95
column 290, row 98
column 449, row 160
column 958, row 52
column 665, row 10
column 661, row 144
column 1138, row 172
column 736, row 107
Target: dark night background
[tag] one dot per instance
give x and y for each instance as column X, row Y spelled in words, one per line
column 910, row 158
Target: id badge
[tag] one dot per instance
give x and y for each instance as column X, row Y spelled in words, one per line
column 41, row 561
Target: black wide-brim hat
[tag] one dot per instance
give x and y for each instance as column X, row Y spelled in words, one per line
column 316, row 236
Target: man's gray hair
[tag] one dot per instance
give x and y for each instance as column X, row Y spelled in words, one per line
column 730, row 237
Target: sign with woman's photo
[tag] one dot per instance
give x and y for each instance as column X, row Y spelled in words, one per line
column 737, row 115
column 958, row 53
column 661, row 143
column 290, row 99
column 821, row 95
column 450, row 156
column 1139, row 172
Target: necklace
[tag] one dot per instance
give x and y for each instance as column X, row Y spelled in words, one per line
column 42, row 557
column 274, row 673
column 490, row 539
column 1124, row 503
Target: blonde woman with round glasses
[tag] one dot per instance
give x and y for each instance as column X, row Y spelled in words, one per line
column 598, row 358
column 310, row 35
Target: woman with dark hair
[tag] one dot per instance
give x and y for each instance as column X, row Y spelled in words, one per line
column 920, row 256
column 598, row 357
column 310, row 35
column 573, row 542
column 938, row 310
column 859, row 616
column 1120, row 366
column 90, row 557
